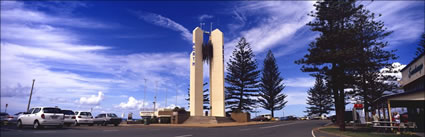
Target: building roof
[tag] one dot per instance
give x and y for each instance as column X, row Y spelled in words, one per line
column 413, row 61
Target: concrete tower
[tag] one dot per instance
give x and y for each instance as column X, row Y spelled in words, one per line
column 217, row 75
column 196, row 74
column 216, row 72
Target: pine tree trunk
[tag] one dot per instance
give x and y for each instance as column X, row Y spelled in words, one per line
column 272, row 113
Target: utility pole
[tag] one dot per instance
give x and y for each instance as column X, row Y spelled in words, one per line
column 156, row 90
column 166, row 90
column 176, row 94
column 144, row 97
column 29, row 101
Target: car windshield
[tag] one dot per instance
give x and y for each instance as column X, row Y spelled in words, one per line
column 85, row 113
column 52, row 110
column 112, row 115
column 68, row 112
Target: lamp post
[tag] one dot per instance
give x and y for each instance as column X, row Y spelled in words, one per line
column 176, row 94
column 144, row 97
column 29, row 101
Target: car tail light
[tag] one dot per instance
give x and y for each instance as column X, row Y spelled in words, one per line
column 10, row 117
column 42, row 116
column 79, row 116
column 73, row 117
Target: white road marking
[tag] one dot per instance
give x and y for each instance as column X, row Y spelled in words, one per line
column 184, row 136
column 312, row 133
column 279, row 125
column 110, row 130
column 41, row 132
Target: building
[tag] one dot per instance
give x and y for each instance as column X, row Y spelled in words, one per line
column 413, row 97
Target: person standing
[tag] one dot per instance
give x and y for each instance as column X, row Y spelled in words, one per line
column 375, row 118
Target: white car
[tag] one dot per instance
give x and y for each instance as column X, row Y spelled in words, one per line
column 83, row 117
column 39, row 117
column 69, row 117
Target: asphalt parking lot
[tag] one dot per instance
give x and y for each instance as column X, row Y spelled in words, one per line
column 277, row 129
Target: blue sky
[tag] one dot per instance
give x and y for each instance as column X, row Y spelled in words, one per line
column 98, row 54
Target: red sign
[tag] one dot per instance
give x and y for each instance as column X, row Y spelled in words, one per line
column 358, row 105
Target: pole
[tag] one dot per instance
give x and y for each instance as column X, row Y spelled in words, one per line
column 176, row 94
column 29, row 101
column 166, row 90
column 156, row 90
column 144, row 97
column 5, row 110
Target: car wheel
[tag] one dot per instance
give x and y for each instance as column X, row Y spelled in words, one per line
column 115, row 124
column 37, row 125
column 104, row 123
column 19, row 124
column 76, row 123
column 90, row 124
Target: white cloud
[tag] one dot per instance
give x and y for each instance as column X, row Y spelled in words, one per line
column 92, row 100
column 60, row 62
column 205, row 16
column 132, row 103
column 165, row 22
column 295, row 98
column 13, row 12
column 299, row 82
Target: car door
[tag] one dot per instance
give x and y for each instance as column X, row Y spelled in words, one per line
column 26, row 117
column 33, row 116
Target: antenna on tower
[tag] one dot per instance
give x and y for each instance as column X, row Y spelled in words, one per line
column 202, row 24
column 211, row 27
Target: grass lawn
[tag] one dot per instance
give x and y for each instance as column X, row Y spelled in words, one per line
column 356, row 133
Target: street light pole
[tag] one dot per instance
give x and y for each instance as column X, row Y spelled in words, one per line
column 166, row 90
column 29, row 101
column 144, row 97
column 176, row 94
column 156, row 90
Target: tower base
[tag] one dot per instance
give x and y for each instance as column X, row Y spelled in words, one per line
column 207, row 120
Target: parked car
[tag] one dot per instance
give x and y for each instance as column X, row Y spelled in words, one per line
column 3, row 116
column 348, row 116
column 83, row 117
column 69, row 117
column 107, row 118
column 39, row 117
column 260, row 118
column 12, row 119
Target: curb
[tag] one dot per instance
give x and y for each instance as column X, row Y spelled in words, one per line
column 194, row 125
column 325, row 132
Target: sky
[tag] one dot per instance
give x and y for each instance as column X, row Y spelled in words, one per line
column 105, row 55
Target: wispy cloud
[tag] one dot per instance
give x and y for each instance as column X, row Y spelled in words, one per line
column 299, row 82
column 204, row 17
column 13, row 11
column 165, row 22
column 407, row 26
column 275, row 23
column 63, row 65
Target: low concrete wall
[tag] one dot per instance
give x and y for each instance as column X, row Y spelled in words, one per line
column 240, row 117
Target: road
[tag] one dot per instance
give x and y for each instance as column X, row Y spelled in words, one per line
column 277, row 129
